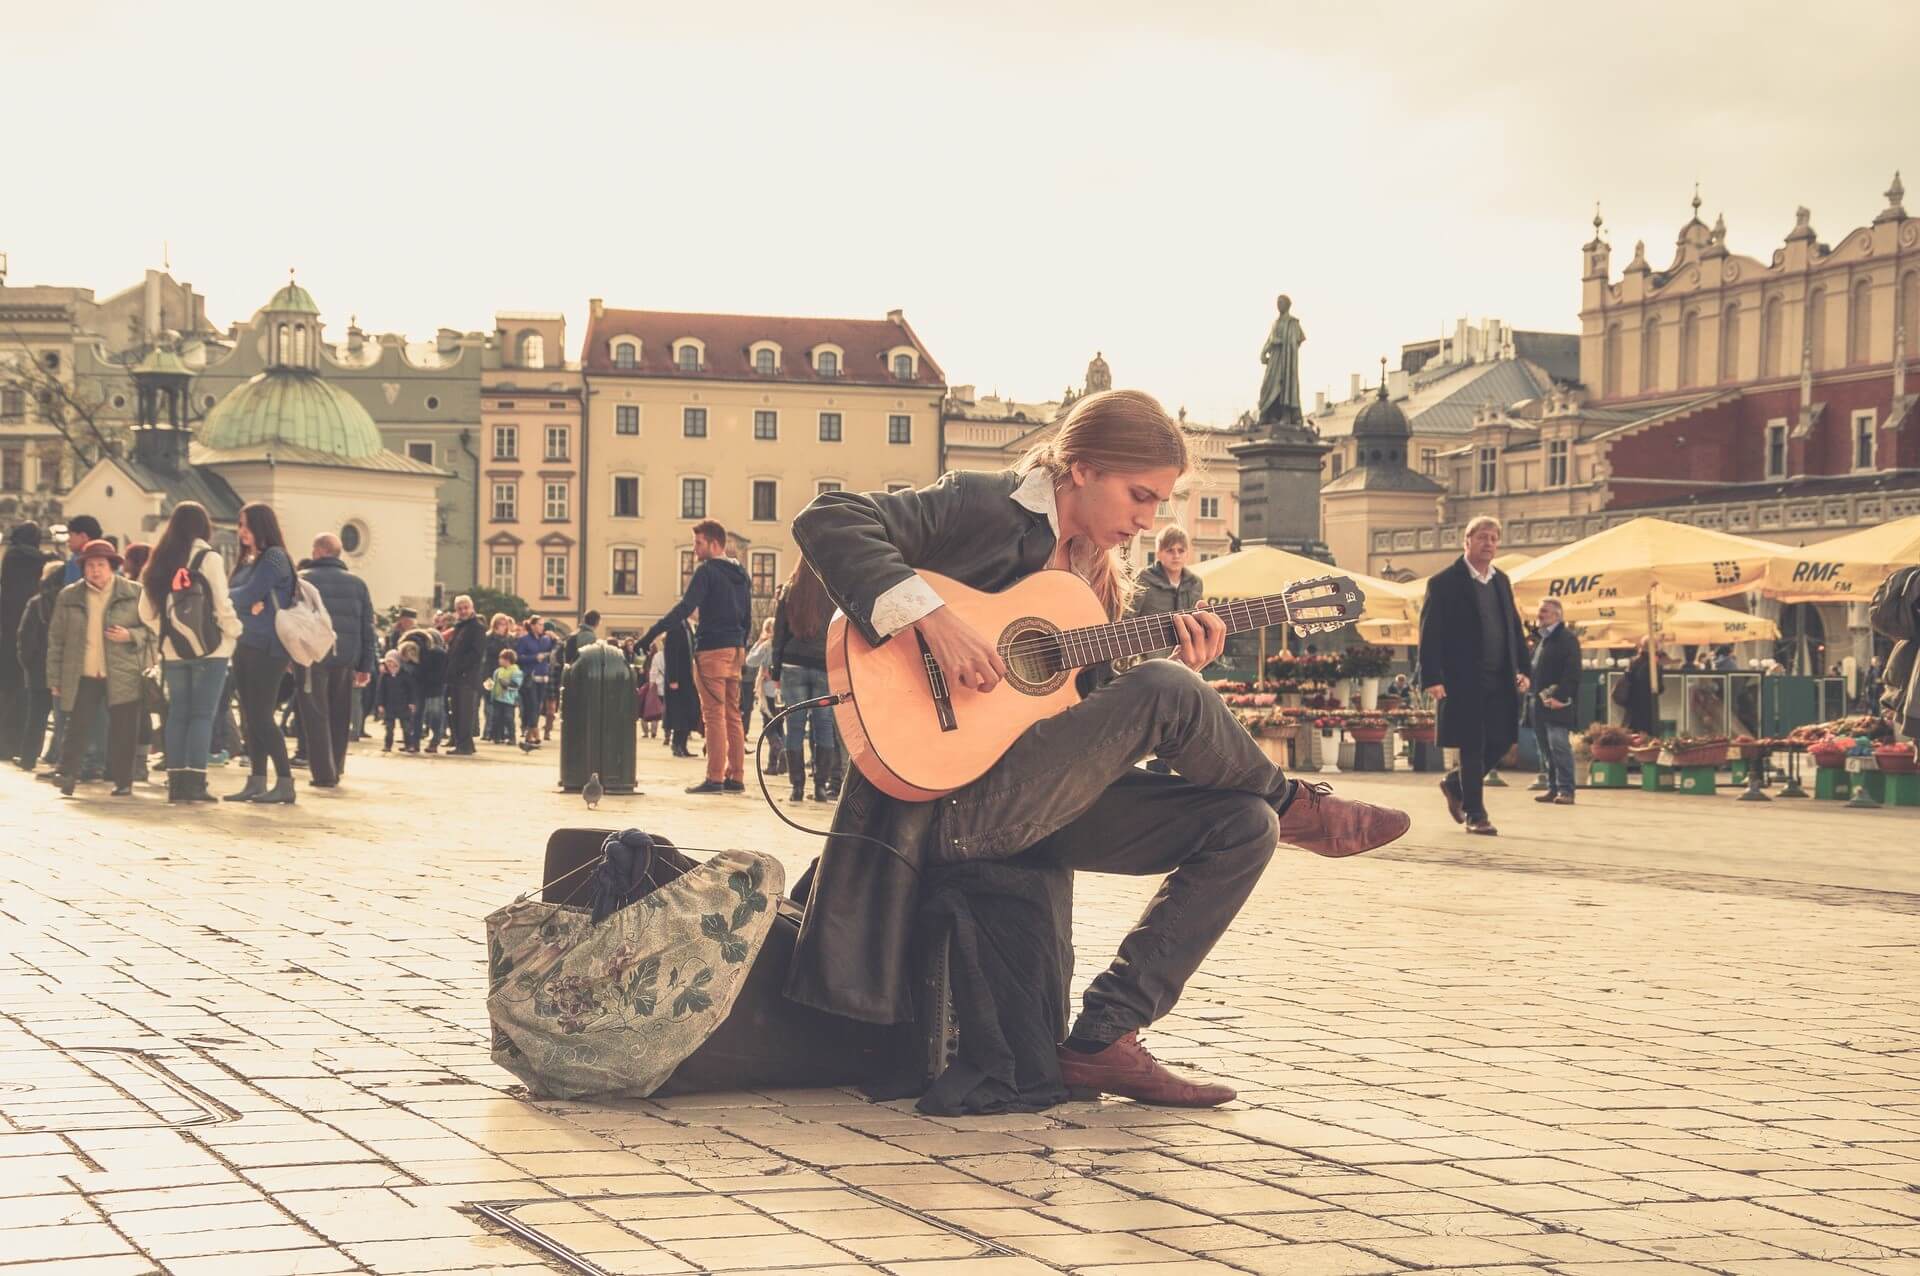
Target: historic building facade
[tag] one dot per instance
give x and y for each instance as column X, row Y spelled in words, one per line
column 533, row 501
column 740, row 418
column 987, row 432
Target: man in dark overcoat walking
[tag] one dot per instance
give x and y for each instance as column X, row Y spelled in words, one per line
column 1473, row 659
column 1552, row 706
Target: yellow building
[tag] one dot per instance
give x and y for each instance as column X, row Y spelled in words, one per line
column 744, row 419
column 531, row 497
column 987, row 432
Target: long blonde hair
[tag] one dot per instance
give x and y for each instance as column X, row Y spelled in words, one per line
column 1116, row 432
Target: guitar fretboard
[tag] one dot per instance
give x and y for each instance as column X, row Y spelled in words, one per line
column 1138, row 635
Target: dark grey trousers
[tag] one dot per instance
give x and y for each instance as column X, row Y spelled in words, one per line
column 1068, row 791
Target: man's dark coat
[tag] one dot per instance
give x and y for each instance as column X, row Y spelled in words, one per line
column 853, row 953
column 1450, row 645
column 1556, row 676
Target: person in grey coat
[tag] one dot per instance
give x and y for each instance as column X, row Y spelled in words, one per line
column 1166, row 586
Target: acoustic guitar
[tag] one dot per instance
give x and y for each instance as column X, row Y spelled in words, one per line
column 917, row 738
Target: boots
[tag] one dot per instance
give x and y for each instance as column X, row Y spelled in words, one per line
column 193, row 785
column 825, row 761
column 797, row 772
column 281, row 794
column 779, row 764
column 176, row 786
column 255, row 786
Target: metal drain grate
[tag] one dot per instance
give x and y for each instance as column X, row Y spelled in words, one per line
column 607, row 1235
column 54, row 1091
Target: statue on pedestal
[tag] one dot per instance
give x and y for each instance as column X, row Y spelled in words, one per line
column 1280, row 388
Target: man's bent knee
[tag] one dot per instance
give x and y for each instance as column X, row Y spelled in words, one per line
column 1249, row 825
column 1164, row 680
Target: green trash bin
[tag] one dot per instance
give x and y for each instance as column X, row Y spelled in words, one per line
column 599, row 705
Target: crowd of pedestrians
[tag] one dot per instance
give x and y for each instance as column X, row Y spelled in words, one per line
column 113, row 655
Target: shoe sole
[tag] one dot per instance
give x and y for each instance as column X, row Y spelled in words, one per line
column 1454, row 806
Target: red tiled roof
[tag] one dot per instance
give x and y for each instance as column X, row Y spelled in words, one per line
column 729, row 337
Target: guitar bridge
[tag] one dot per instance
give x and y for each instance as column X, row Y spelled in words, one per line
column 937, row 684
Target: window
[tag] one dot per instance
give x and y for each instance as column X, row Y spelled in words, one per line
column 353, row 537
column 1429, row 460
column 826, row 485
column 1860, row 323
column 763, row 362
column 13, row 469
column 626, row 355
column 903, row 367
column 766, row 500
column 1489, row 471
column 626, row 496
column 829, row 427
column 1209, row 507
column 626, row 419
column 687, row 564
column 553, row 576
column 693, row 422
column 533, row 351
column 1777, row 449
column 506, row 442
column 13, row 404
column 506, row 502
column 556, row 502
column 764, row 566
column 433, row 403
column 1863, row 432
column 827, row 363
column 689, row 358
column 1650, row 357
column 626, row 573
column 766, row 424
column 421, row 450
column 693, row 498
column 503, row 573
column 1557, row 463
column 557, row 442
column 899, row 429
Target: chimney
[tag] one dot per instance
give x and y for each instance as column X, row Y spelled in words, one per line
column 961, row 393
column 1319, row 402
column 1353, row 386
column 1397, row 384
column 596, row 308
column 896, row 316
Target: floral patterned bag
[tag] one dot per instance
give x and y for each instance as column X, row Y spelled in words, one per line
column 580, row 1009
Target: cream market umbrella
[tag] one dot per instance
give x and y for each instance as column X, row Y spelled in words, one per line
column 1691, row 621
column 1845, row 569
column 1643, row 557
column 1510, row 563
column 1263, row 569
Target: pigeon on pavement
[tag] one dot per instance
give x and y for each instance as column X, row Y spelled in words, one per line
column 592, row 794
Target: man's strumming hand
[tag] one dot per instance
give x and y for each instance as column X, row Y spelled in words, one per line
column 967, row 659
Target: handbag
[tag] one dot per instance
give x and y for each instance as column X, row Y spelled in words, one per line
column 153, row 690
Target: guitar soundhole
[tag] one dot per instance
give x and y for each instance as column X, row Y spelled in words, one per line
column 1031, row 651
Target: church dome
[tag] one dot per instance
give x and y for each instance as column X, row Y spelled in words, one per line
column 294, row 300
column 294, row 407
column 1382, row 419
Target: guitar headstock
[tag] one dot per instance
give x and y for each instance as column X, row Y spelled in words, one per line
column 1323, row 604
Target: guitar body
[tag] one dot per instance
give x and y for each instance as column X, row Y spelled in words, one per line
column 892, row 725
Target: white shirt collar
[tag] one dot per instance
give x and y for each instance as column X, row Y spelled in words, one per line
column 1035, row 493
column 1485, row 579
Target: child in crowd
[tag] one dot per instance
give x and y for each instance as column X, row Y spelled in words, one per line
column 395, row 700
column 503, row 698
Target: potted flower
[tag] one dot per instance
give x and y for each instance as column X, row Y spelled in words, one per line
column 1897, row 759
column 1417, row 725
column 1608, row 743
column 1686, row 751
column 1367, row 663
column 1643, row 749
column 1367, row 728
column 1831, row 753
column 1751, row 750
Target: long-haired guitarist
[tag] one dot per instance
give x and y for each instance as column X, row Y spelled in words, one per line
column 1068, row 788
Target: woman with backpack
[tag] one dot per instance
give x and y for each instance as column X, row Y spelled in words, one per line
column 262, row 585
column 183, row 599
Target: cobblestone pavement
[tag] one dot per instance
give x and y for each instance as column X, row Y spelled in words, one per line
column 1647, row 1034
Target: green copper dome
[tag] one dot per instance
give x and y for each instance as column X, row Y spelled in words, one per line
column 287, row 405
column 293, row 299
column 160, row 361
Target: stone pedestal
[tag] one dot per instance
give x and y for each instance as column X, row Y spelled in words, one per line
column 1280, row 490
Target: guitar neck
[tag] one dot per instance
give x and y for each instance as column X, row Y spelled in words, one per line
column 1138, row 635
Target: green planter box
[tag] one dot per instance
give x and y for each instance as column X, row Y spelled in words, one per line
column 1655, row 778
column 1831, row 784
column 1902, row 790
column 1698, row 780
column 1608, row 775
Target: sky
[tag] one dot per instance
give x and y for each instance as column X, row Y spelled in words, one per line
column 1030, row 182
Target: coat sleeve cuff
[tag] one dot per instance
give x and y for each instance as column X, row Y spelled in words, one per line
column 903, row 604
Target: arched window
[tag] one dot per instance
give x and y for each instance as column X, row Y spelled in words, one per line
column 1817, row 327
column 300, row 344
column 903, row 367
column 1730, row 343
column 533, row 351
column 626, row 355
column 1909, row 316
column 280, row 344
column 1690, row 348
column 1650, row 356
column 1860, row 323
column 763, row 361
column 1610, row 363
column 689, row 358
column 828, row 364
column 1773, row 337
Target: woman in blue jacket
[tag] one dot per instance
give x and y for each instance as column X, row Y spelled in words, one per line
column 534, row 652
column 260, row 586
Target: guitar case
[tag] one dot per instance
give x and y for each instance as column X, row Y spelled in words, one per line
column 766, row 1041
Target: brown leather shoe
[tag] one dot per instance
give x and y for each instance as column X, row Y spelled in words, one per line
column 1456, row 805
column 1126, row 1069
column 1548, row 797
column 1483, row 827
column 1326, row 825
column 1565, row 799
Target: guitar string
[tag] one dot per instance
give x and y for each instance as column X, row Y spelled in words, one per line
column 1156, row 630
